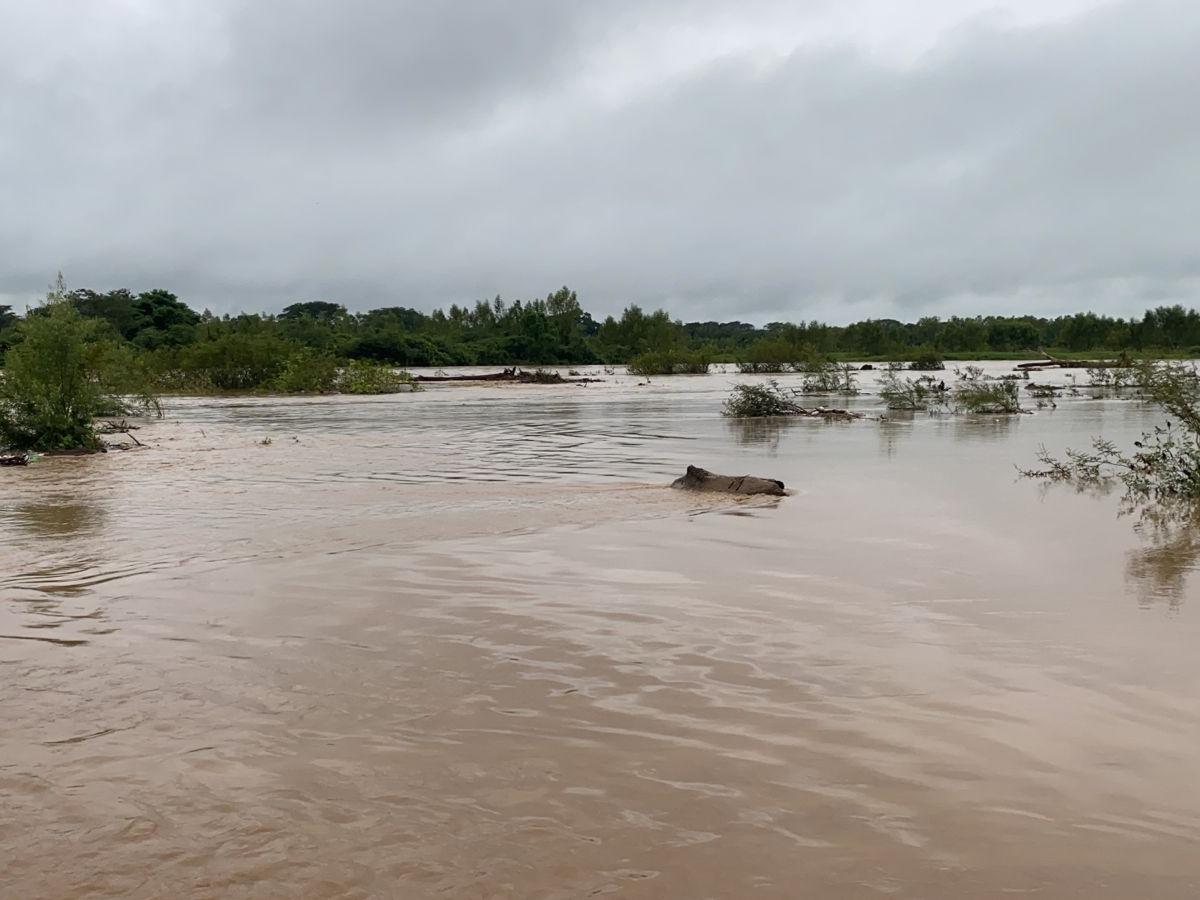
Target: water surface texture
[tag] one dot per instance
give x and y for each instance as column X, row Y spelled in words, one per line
column 464, row 643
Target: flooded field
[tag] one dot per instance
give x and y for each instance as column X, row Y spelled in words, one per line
column 464, row 643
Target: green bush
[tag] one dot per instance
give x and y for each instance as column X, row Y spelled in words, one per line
column 234, row 361
column 60, row 376
column 49, row 397
column 671, row 362
column 769, row 356
column 907, row 393
column 988, row 397
column 926, row 359
column 752, row 401
column 308, row 371
column 823, row 376
column 362, row 377
column 1162, row 476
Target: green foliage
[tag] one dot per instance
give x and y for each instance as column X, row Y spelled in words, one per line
column 125, row 379
column 114, row 308
column 907, row 393
column 48, row 398
column 8, row 329
column 752, row 401
column 234, row 361
column 670, row 362
column 307, row 371
column 1164, row 468
column 926, row 359
column 160, row 319
column 60, row 376
column 823, row 376
column 362, row 377
column 1175, row 388
column 771, row 355
column 636, row 334
column 317, row 310
column 1114, row 377
column 977, row 396
column 189, row 351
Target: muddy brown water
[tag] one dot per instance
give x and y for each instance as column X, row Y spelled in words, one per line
column 464, row 643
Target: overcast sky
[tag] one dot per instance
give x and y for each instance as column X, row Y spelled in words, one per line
column 753, row 159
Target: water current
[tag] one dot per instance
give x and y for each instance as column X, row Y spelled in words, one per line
column 466, row 643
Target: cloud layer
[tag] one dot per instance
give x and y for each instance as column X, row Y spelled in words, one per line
column 754, row 159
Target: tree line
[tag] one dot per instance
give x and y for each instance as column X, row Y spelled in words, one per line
column 182, row 347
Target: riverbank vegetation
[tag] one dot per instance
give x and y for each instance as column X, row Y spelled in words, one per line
column 64, row 369
column 61, row 374
column 671, row 361
column 299, row 348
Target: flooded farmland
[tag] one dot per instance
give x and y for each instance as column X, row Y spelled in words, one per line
column 465, row 643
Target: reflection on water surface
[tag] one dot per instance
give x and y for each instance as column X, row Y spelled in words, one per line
column 463, row 643
column 55, row 519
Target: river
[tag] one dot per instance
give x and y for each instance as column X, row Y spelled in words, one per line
column 465, row 643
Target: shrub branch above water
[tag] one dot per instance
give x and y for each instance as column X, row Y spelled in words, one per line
column 750, row 401
column 1163, row 469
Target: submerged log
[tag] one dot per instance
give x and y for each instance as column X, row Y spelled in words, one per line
column 697, row 479
column 514, row 375
column 1053, row 362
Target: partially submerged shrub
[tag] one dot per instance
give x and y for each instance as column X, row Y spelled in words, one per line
column 988, row 397
column 1114, row 377
column 544, row 376
column 756, row 401
column 49, row 395
column 125, row 379
column 908, row 393
column 926, row 360
column 363, row 377
column 1043, row 391
column 748, row 367
column 670, row 362
column 234, row 361
column 759, row 400
column 823, row 376
column 1165, row 467
column 308, row 371
column 770, row 356
column 60, row 377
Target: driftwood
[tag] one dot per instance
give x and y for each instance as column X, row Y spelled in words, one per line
column 1053, row 362
column 14, row 459
column 824, row 412
column 697, row 479
column 514, row 375
column 818, row 412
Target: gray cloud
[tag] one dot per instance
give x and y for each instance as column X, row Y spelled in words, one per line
column 758, row 160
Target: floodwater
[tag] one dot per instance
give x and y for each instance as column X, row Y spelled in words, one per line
column 464, row 643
